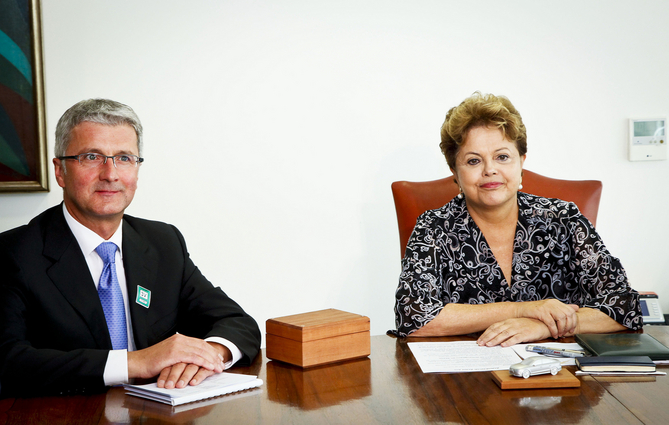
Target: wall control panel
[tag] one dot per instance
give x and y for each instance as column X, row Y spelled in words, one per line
column 650, row 308
column 648, row 139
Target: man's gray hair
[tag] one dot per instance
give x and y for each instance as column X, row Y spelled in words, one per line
column 100, row 111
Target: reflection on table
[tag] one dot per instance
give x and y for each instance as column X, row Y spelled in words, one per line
column 386, row 388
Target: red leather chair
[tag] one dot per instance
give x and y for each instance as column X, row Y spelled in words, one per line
column 414, row 198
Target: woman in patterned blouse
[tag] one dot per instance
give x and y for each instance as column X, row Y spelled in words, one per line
column 517, row 266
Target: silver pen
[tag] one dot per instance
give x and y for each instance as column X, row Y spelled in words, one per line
column 555, row 351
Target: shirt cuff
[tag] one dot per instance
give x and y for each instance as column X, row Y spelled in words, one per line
column 116, row 368
column 236, row 353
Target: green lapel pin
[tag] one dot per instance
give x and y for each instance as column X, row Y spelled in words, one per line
column 143, row 297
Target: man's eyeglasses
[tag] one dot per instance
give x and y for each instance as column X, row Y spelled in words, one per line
column 92, row 160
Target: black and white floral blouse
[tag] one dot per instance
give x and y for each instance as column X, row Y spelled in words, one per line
column 556, row 254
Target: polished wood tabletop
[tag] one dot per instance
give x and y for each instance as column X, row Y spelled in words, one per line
column 386, row 388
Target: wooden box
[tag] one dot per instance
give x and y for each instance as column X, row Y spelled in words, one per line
column 318, row 337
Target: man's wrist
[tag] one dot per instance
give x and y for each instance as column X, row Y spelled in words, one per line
column 222, row 350
column 232, row 356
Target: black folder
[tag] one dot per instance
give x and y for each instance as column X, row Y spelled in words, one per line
column 623, row 344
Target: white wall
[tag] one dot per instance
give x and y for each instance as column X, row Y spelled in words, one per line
column 274, row 128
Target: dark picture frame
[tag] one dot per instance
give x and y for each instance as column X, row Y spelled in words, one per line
column 23, row 147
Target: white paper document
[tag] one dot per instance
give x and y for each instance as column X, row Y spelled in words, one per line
column 461, row 356
column 213, row 386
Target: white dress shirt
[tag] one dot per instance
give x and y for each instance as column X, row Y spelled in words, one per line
column 116, row 368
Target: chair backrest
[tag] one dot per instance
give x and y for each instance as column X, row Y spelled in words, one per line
column 414, row 198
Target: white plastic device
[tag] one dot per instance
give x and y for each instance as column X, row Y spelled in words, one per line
column 648, row 139
column 650, row 308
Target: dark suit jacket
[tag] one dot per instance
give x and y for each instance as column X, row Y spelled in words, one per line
column 53, row 333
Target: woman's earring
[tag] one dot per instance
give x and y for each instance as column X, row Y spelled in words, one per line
column 460, row 195
column 520, row 186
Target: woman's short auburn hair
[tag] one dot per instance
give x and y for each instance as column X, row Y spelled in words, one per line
column 481, row 110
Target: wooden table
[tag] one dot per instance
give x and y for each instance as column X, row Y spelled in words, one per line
column 386, row 388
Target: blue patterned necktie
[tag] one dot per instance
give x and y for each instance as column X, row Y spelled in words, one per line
column 111, row 297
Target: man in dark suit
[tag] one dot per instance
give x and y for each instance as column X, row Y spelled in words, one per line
column 158, row 316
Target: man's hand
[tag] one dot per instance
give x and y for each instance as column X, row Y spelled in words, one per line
column 560, row 318
column 514, row 331
column 151, row 361
column 182, row 374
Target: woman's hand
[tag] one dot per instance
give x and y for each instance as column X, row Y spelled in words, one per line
column 560, row 318
column 514, row 331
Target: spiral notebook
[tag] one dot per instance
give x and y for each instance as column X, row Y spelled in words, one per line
column 213, row 386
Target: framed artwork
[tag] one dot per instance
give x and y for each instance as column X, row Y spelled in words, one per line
column 23, row 155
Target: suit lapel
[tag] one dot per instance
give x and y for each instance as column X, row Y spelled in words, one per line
column 141, row 267
column 70, row 274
